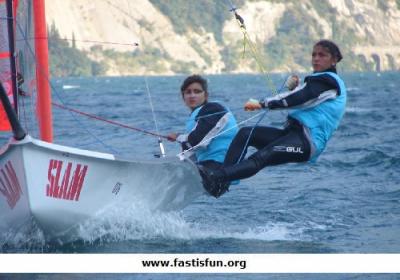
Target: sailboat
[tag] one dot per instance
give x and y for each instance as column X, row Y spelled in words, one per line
column 59, row 187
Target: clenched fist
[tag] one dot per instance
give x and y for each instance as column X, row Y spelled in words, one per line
column 252, row 105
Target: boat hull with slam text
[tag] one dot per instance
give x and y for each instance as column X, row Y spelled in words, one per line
column 60, row 187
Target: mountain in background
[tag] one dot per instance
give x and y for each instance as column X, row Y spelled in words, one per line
column 123, row 37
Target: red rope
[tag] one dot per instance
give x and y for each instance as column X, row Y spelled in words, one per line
column 107, row 121
column 134, row 44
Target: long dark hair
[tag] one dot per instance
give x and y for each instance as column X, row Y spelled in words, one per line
column 331, row 47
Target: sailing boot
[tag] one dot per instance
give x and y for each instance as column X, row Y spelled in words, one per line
column 242, row 170
column 214, row 181
column 217, row 181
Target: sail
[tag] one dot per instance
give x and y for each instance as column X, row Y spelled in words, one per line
column 25, row 47
column 28, row 67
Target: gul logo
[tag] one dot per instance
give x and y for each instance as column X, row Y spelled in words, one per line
column 9, row 185
column 69, row 186
column 288, row 149
column 294, row 150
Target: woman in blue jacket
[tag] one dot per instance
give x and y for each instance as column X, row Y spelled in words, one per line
column 316, row 110
column 210, row 127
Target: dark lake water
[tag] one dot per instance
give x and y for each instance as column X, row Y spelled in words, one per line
column 348, row 202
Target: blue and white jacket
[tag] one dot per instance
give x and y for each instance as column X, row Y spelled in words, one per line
column 319, row 106
column 210, row 130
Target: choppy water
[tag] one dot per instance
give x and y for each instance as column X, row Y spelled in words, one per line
column 349, row 202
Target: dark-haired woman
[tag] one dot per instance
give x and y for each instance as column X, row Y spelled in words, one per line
column 318, row 107
column 210, row 127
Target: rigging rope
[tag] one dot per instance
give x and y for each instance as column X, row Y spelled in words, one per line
column 160, row 143
column 54, row 90
column 247, row 40
column 256, row 56
column 243, row 153
column 135, row 44
column 108, row 121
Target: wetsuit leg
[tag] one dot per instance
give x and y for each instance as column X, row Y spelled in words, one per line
column 258, row 137
column 292, row 147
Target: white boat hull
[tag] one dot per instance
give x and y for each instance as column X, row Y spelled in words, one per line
column 61, row 187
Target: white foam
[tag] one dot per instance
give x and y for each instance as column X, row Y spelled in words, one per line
column 358, row 110
column 133, row 223
column 28, row 237
column 349, row 89
column 137, row 223
column 70, row 86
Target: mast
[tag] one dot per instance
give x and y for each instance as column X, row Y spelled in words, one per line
column 17, row 129
column 11, row 46
column 42, row 72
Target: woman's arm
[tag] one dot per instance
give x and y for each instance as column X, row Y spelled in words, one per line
column 211, row 121
column 316, row 88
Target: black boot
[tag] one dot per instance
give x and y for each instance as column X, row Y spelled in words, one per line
column 214, row 181
column 242, row 170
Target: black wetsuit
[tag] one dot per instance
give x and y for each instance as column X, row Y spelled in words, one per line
column 274, row 145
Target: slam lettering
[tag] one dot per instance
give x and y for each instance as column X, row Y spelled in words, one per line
column 64, row 180
column 9, row 185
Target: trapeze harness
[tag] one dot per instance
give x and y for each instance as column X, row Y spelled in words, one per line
column 210, row 129
column 318, row 105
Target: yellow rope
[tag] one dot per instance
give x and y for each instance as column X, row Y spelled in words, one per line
column 255, row 54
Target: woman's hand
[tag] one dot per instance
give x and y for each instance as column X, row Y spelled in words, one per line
column 292, row 82
column 172, row 136
column 252, row 105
